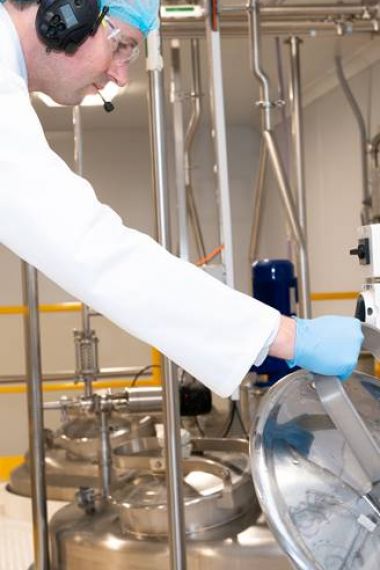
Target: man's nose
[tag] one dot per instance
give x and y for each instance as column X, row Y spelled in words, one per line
column 118, row 74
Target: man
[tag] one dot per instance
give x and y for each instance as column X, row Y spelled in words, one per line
column 51, row 218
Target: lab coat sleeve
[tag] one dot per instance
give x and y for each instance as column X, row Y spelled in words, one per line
column 51, row 218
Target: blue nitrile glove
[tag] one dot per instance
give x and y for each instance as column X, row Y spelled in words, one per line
column 327, row 345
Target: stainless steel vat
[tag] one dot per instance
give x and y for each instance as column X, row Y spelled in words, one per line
column 131, row 530
column 81, row 541
column 71, row 455
column 311, row 481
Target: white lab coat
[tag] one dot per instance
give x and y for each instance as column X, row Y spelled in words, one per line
column 51, row 218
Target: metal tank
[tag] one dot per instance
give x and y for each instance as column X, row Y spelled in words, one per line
column 315, row 456
column 130, row 529
column 72, row 453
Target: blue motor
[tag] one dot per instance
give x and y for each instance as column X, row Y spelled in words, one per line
column 274, row 283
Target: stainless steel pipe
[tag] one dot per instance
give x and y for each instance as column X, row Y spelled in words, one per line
column 218, row 133
column 285, row 190
column 237, row 27
column 176, row 96
column 86, row 333
column 299, row 172
column 258, row 203
column 366, row 212
column 144, row 400
column 196, row 111
column 266, row 105
column 177, row 543
column 35, row 418
column 105, row 454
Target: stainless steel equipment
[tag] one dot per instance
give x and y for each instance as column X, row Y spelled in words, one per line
column 316, row 464
column 131, row 527
column 71, row 455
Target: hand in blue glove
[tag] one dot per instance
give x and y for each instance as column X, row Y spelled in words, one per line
column 327, row 345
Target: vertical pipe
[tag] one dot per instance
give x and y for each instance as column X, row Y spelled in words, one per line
column 78, row 161
column 299, row 171
column 174, row 472
column 258, row 203
column 366, row 202
column 220, row 142
column 255, row 58
column 177, row 102
column 105, row 457
column 35, row 417
column 189, row 138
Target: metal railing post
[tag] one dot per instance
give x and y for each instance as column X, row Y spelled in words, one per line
column 35, row 417
column 174, row 471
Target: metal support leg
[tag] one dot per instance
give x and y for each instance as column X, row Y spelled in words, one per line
column 299, row 172
column 170, row 390
column 35, row 418
column 220, row 143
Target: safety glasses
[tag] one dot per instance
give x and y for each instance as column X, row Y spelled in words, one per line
column 125, row 50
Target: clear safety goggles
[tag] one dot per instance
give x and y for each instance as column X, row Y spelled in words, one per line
column 125, row 50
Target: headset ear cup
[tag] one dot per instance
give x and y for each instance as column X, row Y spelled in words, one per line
column 63, row 25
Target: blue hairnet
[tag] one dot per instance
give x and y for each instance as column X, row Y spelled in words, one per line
column 142, row 14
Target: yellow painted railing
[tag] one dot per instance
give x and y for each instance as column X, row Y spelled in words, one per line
column 334, row 296
column 70, row 307
column 70, row 386
column 7, row 464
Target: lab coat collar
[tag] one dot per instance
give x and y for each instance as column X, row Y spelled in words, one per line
column 11, row 54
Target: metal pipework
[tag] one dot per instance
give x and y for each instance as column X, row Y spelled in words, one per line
column 258, row 203
column 218, row 134
column 105, row 453
column 285, row 190
column 265, row 102
column 86, row 342
column 299, row 170
column 237, row 27
column 269, row 140
column 196, row 105
column 177, row 96
column 366, row 201
column 35, row 418
column 177, row 544
column 132, row 400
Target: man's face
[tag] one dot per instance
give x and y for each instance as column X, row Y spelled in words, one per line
column 69, row 78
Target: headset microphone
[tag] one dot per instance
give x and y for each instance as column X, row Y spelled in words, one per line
column 107, row 105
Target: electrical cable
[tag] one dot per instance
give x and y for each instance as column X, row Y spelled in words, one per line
column 241, row 422
column 230, row 421
column 142, row 371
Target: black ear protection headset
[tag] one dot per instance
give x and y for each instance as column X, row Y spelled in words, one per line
column 63, row 25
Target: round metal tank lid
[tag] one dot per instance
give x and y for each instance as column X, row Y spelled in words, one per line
column 306, row 476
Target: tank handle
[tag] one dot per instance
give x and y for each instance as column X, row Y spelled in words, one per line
column 346, row 418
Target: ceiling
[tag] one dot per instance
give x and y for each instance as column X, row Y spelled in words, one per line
column 240, row 87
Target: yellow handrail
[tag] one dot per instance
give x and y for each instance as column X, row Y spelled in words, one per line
column 70, row 386
column 334, row 296
column 69, row 307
